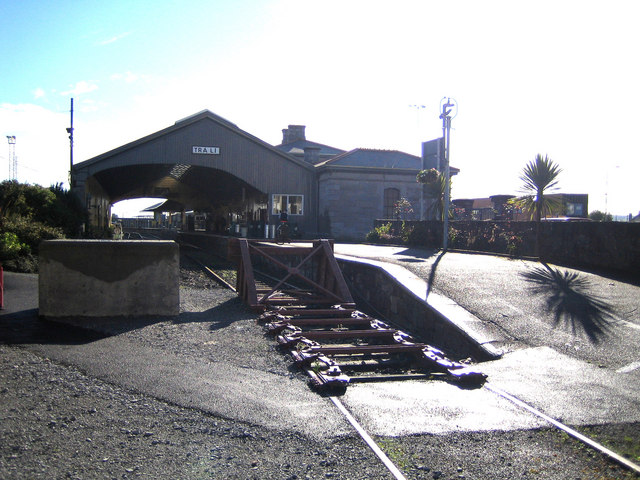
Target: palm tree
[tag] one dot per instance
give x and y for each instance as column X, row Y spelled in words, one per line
column 539, row 176
column 435, row 185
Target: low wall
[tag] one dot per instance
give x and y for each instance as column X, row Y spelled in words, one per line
column 104, row 278
column 402, row 298
column 604, row 246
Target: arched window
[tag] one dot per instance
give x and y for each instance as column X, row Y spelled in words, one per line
column 391, row 196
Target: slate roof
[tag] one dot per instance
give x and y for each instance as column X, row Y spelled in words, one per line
column 365, row 157
column 297, row 148
column 372, row 158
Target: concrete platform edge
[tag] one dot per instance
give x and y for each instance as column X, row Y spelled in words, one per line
column 446, row 310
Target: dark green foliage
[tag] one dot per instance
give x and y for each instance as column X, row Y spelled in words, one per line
column 599, row 216
column 66, row 212
column 30, row 214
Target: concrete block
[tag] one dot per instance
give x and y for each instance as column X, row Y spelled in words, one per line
column 104, row 278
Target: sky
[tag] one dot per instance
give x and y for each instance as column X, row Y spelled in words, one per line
column 557, row 78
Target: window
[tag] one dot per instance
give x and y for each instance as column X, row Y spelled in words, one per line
column 391, row 196
column 575, row 210
column 292, row 204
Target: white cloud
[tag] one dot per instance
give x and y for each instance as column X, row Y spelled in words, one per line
column 127, row 77
column 38, row 93
column 114, row 39
column 81, row 87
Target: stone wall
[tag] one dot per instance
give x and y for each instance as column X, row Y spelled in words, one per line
column 599, row 245
column 609, row 246
column 351, row 200
column 104, row 278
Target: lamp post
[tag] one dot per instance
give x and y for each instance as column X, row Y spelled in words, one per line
column 13, row 164
column 446, row 133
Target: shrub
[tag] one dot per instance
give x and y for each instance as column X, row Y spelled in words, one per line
column 383, row 234
column 373, row 236
column 11, row 246
column 30, row 214
column 30, row 232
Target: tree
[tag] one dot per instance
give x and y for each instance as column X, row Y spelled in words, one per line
column 540, row 176
column 599, row 216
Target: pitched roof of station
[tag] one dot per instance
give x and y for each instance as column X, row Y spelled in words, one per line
column 375, row 158
column 297, row 148
column 184, row 122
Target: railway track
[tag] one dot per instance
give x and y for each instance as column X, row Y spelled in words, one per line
column 336, row 345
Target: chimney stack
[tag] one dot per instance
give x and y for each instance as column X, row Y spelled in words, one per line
column 312, row 154
column 293, row 134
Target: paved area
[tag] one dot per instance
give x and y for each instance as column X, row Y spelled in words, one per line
column 569, row 340
column 213, row 357
column 523, row 304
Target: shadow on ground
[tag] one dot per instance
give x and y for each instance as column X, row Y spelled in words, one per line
column 569, row 299
column 26, row 327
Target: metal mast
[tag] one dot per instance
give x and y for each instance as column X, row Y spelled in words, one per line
column 70, row 132
column 446, row 133
column 13, row 161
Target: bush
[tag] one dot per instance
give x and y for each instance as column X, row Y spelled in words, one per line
column 23, row 264
column 30, row 232
column 30, row 214
column 11, row 247
column 373, row 236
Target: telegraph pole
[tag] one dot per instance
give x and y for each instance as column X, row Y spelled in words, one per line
column 446, row 133
column 13, row 162
column 70, row 132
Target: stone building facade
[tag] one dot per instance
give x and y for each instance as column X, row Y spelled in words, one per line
column 206, row 167
column 357, row 187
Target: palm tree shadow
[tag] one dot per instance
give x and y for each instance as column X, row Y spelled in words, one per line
column 573, row 306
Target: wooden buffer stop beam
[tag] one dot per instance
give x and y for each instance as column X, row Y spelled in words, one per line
column 272, row 275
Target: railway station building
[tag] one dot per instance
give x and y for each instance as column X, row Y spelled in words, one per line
column 240, row 184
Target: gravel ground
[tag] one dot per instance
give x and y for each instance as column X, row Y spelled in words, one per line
column 57, row 422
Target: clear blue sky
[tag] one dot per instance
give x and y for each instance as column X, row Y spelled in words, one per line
column 549, row 77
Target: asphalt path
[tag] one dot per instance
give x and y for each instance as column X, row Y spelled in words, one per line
column 569, row 341
column 527, row 304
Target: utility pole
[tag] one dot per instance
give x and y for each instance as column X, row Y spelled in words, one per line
column 446, row 133
column 70, row 132
column 13, row 161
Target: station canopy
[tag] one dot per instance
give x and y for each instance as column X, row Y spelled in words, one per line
column 201, row 163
